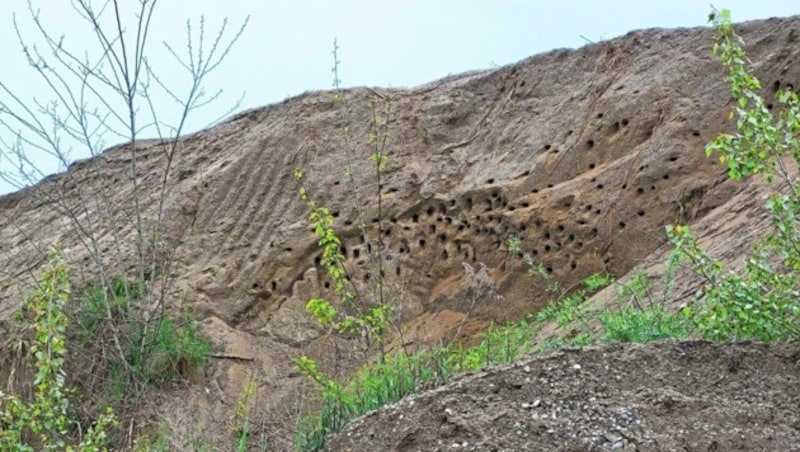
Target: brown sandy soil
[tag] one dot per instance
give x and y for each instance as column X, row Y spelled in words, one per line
column 668, row 396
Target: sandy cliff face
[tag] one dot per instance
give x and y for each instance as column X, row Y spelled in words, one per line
column 584, row 154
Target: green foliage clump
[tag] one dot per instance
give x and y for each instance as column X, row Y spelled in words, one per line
column 152, row 351
column 641, row 316
column 569, row 308
column 631, row 324
column 97, row 304
column 48, row 422
column 761, row 300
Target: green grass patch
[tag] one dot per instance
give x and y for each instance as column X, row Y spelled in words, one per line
column 399, row 375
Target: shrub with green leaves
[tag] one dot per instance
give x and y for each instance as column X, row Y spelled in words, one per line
column 570, row 308
column 759, row 301
column 47, row 422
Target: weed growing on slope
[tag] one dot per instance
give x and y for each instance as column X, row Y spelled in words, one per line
column 160, row 352
column 356, row 312
column 48, row 421
column 760, row 301
column 240, row 424
column 173, row 346
column 163, row 350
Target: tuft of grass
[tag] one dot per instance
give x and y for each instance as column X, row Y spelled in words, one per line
column 401, row 374
column 240, row 423
column 631, row 324
column 167, row 350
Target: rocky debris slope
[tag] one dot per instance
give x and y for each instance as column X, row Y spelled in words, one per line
column 584, row 154
column 660, row 397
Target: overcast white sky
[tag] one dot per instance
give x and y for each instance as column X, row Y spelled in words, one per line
column 286, row 48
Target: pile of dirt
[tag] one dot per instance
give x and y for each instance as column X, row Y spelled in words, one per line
column 693, row 396
column 584, row 154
